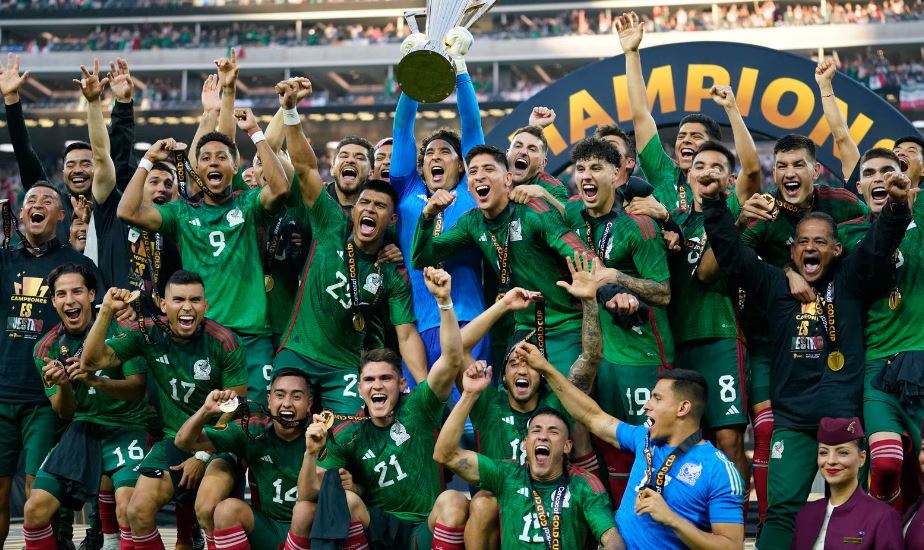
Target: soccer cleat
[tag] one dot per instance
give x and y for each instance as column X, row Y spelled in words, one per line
column 93, row 540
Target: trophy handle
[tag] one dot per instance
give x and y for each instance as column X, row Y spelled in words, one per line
column 410, row 17
column 474, row 10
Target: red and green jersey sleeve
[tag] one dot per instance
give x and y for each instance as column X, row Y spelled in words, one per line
column 321, row 324
column 662, row 173
column 218, row 240
column 94, row 405
column 553, row 185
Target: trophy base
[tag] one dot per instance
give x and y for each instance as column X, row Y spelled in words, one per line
column 427, row 76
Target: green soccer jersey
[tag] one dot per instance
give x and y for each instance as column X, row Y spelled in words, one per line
column 585, row 506
column 634, row 246
column 394, row 464
column 274, row 464
column 185, row 372
column 551, row 184
column 321, row 327
column 93, row 405
column 539, row 242
column 771, row 239
column 664, row 175
column 502, row 430
column 219, row 242
column 891, row 331
column 697, row 310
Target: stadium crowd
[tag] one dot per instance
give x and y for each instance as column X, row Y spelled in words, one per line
column 128, row 38
column 184, row 322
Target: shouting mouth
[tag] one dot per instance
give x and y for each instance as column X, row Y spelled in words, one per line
column 791, row 188
column 879, row 193
column 348, row 174
column 521, row 163
column 590, row 190
column 72, row 314
column 378, row 398
column 437, row 173
column 811, row 265
column 186, row 322
column 482, row 191
column 367, row 225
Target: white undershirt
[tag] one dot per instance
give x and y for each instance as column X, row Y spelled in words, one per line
column 820, row 541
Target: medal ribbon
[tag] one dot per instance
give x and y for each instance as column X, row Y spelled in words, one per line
column 826, row 305
column 183, row 167
column 353, row 276
column 661, row 477
column 148, row 286
column 600, row 247
column 551, row 534
column 503, row 257
column 272, row 245
column 540, row 326
column 682, row 202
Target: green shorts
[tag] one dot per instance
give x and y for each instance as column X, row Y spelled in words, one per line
column 722, row 362
column 758, row 374
column 267, row 532
column 337, row 387
column 165, row 454
column 122, row 454
column 883, row 413
column 622, row 390
column 32, row 429
column 387, row 530
column 259, row 358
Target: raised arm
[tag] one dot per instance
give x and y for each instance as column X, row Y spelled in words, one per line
column 303, row 158
column 309, row 477
column 191, row 436
column 459, row 40
column 211, row 106
column 227, row 78
column 447, row 451
column 131, row 388
column 277, row 186
column 30, row 167
column 122, row 127
column 847, row 148
column 104, row 176
column 871, row 262
column 447, row 367
column 132, row 209
column 96, row 354
column 63, row 402
column 578, row 404
column 748, row 181
column 630, row 37
column 515, row 299
column 583, row 286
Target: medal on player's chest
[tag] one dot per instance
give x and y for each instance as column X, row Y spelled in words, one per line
column 836, row 360
column 268, row 282
column 895, row 299
column 359, row 322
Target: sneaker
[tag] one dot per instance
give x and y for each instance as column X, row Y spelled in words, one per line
column 198, row 539
column 111, row 543
column 93, row 541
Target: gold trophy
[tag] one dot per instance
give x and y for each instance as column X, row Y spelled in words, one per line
column 427, row 72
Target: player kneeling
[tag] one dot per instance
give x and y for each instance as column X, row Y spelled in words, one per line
column 542, row 504
column 273, row 451
column 108, row 433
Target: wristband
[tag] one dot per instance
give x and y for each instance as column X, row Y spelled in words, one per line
column 146, row 164
column 290, row 117
column 460, row 65
column 257, row 137
column 445, row 307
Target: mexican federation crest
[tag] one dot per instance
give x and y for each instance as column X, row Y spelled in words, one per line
column 399, row 433
column 202, row 370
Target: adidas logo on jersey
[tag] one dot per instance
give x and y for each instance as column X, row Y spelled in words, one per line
column 732, row 410
column 267, row 458
column 523, row 491
column 369, row 455
column 163, row 359
column 509, row 420
column 483, row 238
column 196, row 222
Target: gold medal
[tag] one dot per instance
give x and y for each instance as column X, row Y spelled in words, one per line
column 63, row 351
column 836, row 360
column 328, row 418
column 500, row 296
column 359, row 322
column 895, row 299
column 268, row 282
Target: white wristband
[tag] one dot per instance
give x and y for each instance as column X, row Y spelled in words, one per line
column 290, row 117
column 445, row 307
column 460, row 64
column 146, row 164
column 257, row 137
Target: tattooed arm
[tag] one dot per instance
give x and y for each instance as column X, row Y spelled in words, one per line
column 583, row 286
column 656, row 294
column 447, row 452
